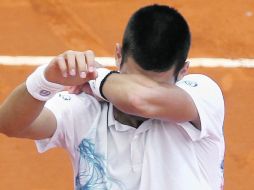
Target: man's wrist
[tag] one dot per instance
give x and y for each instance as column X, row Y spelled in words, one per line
column 97, row 84
column 38, row 86
column 104, row 80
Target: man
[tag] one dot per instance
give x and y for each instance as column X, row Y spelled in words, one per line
column 162, row 129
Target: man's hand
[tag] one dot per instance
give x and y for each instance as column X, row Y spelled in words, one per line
column 72, row 68
column 24, row 116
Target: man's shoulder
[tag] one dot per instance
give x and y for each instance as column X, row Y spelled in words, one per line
column 68, row 98
column 203, row 89
column 199, row 81
column 65, row 102
column 198, row 78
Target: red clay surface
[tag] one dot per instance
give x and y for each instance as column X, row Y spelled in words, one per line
column 219, row 29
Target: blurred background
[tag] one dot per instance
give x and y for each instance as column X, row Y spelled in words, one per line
column 220, row 29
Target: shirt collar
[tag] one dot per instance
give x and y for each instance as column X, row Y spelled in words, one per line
column 146, row 125
column 111, row 119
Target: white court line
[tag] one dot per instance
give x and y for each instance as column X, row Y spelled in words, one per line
column 109, row 61
column 38, row 60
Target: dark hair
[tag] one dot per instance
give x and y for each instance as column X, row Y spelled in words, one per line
column 157, row 37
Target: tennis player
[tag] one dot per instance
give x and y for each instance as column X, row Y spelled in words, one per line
column 156, row 128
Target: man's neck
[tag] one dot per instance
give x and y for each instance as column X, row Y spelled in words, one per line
column 126, row 119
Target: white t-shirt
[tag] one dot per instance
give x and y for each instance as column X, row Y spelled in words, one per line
column 159, row 155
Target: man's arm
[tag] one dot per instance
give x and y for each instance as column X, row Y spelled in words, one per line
column 141, row 96
column 22, row 115
column 20, row 110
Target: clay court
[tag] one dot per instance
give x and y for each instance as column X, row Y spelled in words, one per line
column 220, row 29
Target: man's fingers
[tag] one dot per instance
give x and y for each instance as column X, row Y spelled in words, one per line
column 78, row 64
column 70, row 57
column 90, row 60
column 62, row 65
column 81, row 63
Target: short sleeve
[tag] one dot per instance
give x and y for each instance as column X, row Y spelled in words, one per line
column 209, row 102
column 59, row 108
column 74, row 116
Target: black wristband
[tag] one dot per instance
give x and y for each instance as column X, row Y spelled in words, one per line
column 103, row 81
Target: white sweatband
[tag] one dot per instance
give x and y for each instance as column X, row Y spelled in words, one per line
column 39, row 87
column 97, row 84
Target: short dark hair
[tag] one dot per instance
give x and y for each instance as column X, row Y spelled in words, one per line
column 157, row 37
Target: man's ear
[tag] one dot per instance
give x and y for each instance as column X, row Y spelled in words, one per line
column 118, row 55
column 184, row 70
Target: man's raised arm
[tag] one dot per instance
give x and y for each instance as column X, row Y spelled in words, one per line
column 22, row 114
column 142, row 96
